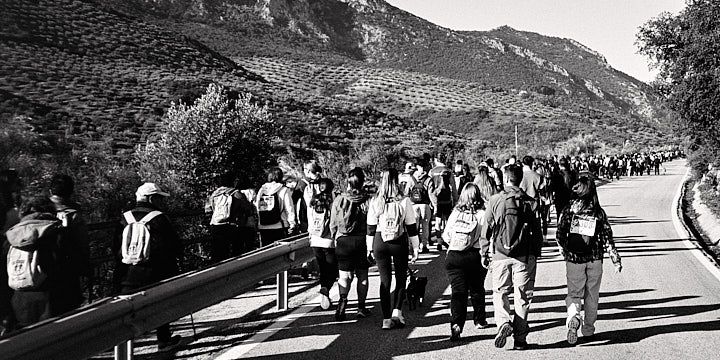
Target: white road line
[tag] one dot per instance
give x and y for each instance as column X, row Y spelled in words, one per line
column 686, row 236
column 246, row 346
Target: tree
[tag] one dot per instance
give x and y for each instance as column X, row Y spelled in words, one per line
column 686, row 49
column 196, row 143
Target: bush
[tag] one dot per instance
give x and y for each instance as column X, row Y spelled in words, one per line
column 196, row 143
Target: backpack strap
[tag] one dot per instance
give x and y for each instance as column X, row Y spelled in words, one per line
column 129, row 218
column 151, row 215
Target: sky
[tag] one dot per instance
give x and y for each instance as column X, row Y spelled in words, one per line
column 606, row 26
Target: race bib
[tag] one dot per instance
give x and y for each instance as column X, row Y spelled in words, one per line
column 266, row 203
column 583, row 225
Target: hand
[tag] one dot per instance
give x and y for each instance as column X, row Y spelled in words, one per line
column 415, row 255
column 618, row 268
column 485, row 261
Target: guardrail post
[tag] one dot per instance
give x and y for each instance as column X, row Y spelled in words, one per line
column 124, row 351
column 282, row 291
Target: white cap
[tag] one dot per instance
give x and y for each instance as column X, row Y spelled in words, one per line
column 148, row 189
column 409, row 167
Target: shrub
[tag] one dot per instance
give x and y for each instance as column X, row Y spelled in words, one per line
column 196, row 143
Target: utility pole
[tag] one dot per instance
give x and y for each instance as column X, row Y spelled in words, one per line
column 516, row 142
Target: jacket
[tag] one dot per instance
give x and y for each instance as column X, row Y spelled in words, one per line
column 240, row 209
column 494, row 225
column 603, row 234
column 75, row 259
column 343, row 207
column 165, row 251
column 532, row 183
column 287, row 206
column 438, row 170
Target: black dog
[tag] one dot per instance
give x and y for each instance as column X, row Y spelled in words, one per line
column 415, row 289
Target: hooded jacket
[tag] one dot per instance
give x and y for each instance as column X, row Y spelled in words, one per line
column 287, row 207
column 346, row 207
column 494, row 225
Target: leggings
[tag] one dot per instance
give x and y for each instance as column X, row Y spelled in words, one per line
column 386, row 254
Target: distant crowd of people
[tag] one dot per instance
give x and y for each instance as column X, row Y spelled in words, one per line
column 494, row 219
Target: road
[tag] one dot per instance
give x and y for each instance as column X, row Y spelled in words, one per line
column 664, row 305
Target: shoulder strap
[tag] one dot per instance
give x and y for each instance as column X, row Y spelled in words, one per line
column 129, row 218
column 151, row 215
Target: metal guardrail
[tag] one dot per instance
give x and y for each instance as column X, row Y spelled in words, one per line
column 112, row 321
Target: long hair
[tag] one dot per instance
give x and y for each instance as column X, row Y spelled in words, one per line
column 322, row 201
column 356, row 180
column 389, row 189
column 470, row 199
column 586, row 193
column 485, row 183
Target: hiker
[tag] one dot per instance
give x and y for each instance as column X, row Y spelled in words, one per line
column 406, row 179
column 348, row 226
column 485, row 183
column 517, row 240
column 303, row 192
column 423, row 207
column 10, row 186
column 276, row 210
column 443, row 194
column 248, row 230
column 149, row 250
column 584, row 234
column 563, row 180
column 321, row 240
column 463, row 262
column 228, row 209
column 390, row 226
column 75, row 258
column 495, row 174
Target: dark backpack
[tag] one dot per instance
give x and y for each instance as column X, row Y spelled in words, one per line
column 582, row 236
column 517, row 229
column 419, row 194
column 442, row 184
column 353, row 215
column 269, row 209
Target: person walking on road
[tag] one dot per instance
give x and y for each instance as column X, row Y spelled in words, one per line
column 321, row 240
column 276, row 210
column 348, row 226
column 584, row 234
column 513, row 232
column 463, row 262
column 391, row 225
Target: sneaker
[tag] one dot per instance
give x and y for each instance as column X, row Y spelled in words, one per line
column 325, row 302
column 398, row 318
column 455, row 332
column 425, row 250
column 481, row 324
column 388, row 324
column 172, row 344
column 521, row 345
column 363, row 313
column 573, row 326
column 504, row 331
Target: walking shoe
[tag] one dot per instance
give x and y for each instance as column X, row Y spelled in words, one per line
column 425, row 250
column 573, row 326
column 455, row 332
column 340, row 311
column 520, row 345
column 388, row 324
column 325, row 302
column 363, row 313
column 504, row 331
column 481, row 324
column 173, row 343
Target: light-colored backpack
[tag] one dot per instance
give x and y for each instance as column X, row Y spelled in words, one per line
column 463, row 232
column 136, row 238
column 390, row 223
column 318, row 222
column 24, row 268
column 222, row 205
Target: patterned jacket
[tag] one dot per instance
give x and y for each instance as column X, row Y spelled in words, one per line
column 603, row 234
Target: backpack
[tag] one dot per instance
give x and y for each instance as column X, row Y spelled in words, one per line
column 65, row 217
column 419, row 194
column 517, row 228
column 29, row 259
column 463, row 231
column 390, row 222
column 442, row 185
column 353, row 215
column 222, row 208
column 136, row 238
column 318, row 222
column 582, row 236
column 269, row 209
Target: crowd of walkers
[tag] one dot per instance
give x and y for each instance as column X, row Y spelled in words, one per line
column 493, row 220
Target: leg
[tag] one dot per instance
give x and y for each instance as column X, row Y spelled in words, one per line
column 383, row 259
column 576, row 282
column 400, row 260
column 362, row 286
column 458, row 285
column 594, row 273
column 344, row 282
column 476, row 285
column 502, row 283
column 220, row 247
column 524, row 280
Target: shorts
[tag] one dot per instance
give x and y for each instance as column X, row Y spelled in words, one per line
column 351, row 253
column 443, row 210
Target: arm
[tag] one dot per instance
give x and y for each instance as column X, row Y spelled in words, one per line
column 334, row 213
column 372, row 221
column 411, row 228
column 606, row 235
column 289, row 210
column 448, row 228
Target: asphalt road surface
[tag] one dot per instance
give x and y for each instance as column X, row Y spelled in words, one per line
column 664, row 305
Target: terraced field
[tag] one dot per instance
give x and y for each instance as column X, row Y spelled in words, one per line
column 393, row 91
